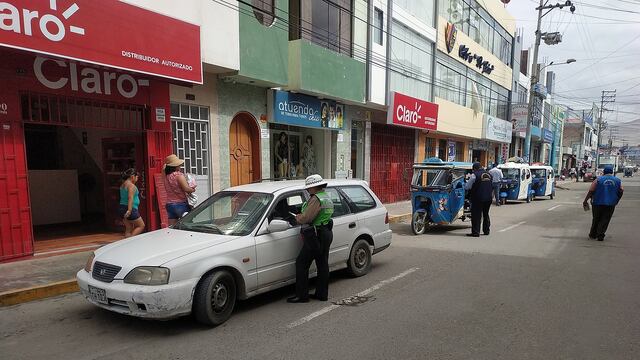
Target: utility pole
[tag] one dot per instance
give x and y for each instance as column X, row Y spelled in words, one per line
column 549, row 39
column 608, row 97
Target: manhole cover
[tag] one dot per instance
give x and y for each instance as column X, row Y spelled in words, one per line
column 354, row 300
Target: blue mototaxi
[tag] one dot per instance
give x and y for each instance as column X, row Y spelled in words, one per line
column 437, row 193
column 516, row 183
column 543, row 181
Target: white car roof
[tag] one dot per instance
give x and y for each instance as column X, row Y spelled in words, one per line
column 272, row 187
column 541, row 167
column 512, row 165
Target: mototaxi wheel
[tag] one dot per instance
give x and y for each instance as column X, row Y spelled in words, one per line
column 419, row 223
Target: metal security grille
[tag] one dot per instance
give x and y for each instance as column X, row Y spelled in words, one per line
column 190, row 127
column 78, row 112
column 105, row 272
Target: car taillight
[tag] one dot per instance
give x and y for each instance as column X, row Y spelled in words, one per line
column 386, row 218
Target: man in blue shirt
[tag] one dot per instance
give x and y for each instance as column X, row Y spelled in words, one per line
column 480, row 189
column 605, row 193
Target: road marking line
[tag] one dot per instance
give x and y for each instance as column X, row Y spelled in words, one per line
column 554, row 207
column 362, row 293
column 512, row 226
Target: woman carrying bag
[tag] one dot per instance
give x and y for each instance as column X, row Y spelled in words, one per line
column 177, row 188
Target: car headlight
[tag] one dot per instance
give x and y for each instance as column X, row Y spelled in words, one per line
column 147, row 275
column 88, row 266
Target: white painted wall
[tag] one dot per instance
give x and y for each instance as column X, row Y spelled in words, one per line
column 219, row 27
column 378, row 78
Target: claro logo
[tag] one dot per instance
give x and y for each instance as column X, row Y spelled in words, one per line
column 406, row 115
column 26, row 21
column 87, row 79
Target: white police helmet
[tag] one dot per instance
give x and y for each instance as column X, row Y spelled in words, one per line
column 313, row 181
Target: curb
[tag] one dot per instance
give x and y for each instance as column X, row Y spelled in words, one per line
column 20, row 296
column 394, row 219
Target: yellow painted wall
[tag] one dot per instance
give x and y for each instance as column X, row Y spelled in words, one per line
column 458, row 120
column 501, row 74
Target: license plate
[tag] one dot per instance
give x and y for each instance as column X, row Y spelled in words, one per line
column 97, row 294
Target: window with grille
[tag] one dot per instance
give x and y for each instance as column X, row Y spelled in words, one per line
column 429, row 148
column 190, row 128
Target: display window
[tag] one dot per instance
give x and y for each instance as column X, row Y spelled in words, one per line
column 297, row 152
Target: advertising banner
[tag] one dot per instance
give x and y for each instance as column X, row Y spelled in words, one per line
column 307, row 111
column 547, row 136
column 451, row 152
column 519, row 118
column 495, row 129
column 408, row 111
column 107, row 32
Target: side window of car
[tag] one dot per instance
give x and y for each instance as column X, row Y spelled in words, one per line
column 340, row 206
column 290, row 203
column 358, row 198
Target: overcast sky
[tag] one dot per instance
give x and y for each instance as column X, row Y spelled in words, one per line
column 604, row 37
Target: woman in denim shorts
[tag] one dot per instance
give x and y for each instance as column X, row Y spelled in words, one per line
column 129, row 202
column 177, row 189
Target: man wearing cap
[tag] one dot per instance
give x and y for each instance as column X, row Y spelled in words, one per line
column 605, row 193
column 480, row 187
column 317, row 237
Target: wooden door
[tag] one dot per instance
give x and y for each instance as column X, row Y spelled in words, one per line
column 242, row 147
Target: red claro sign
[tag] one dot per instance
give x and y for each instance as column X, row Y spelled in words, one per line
column 105, row 32
column 409, row 111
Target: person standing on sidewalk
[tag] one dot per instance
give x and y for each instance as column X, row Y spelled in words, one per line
column 605, row 193
column 496, row 175
column 317, row 236
column 480, row 187
column 129, row 202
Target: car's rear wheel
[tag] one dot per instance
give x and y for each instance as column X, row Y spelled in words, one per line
column 215, row 298
column 359, row 262
column 419, row 223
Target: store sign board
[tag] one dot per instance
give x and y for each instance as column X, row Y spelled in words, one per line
column 519, row 114
column 547, row 136
column 107, row 32
column 409, row 111
column 495, row 129
column 307, row 111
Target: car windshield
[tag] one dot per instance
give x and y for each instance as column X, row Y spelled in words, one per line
column 538, row 173
column 511, row 174
column 227, row 213
column 429, row 177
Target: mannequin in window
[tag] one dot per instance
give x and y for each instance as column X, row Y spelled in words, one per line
column 308, row 156
column 282, row 155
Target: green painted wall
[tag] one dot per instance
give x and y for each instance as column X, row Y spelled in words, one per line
column 232, row 99
column 322, row 71
column 263, row 49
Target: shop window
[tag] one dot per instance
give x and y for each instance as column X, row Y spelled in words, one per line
column 429, row 148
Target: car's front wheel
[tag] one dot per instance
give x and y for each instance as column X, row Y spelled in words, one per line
column 215, row 298
column 359, row 262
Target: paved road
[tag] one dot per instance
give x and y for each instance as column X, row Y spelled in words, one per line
column 536, row 288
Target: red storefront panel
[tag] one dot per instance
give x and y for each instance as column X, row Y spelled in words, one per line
column 392, row 155
column 61, row 84
column 105, row 32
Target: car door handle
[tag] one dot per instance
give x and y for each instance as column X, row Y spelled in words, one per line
column 352, row 225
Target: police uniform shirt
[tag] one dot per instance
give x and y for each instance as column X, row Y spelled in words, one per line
column 310, row 212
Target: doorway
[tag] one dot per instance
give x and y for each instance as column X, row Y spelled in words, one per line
column 244, row 150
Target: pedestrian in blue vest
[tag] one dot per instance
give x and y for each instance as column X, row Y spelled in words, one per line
column 480, row 187
column 605, row 193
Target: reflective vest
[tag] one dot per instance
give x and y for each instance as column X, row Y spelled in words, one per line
column 607, row 188
column 326, row 209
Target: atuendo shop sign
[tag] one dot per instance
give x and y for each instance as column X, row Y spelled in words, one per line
column 105, row 32
column 408, row 111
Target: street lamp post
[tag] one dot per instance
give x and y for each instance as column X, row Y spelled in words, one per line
column 550, row 39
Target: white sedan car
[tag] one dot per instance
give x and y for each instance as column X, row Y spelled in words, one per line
column 235, row 245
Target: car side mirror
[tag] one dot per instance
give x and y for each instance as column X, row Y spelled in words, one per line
column 277, row 226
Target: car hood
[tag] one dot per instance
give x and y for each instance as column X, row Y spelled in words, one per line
column 157, row 247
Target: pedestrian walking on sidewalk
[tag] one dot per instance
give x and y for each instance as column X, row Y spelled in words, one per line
column 605, row 193
column 496, row 175
column 317, row 236
column 129, row 202
column 480, row 187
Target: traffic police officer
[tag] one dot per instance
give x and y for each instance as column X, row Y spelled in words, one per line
column 317, row 237
column 480, row 189
column 605, row 193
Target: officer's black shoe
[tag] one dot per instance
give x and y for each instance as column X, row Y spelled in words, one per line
column 486, row 232
column 295, row 300
column 600, row 239
column 474, row 235
column 321, row 298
